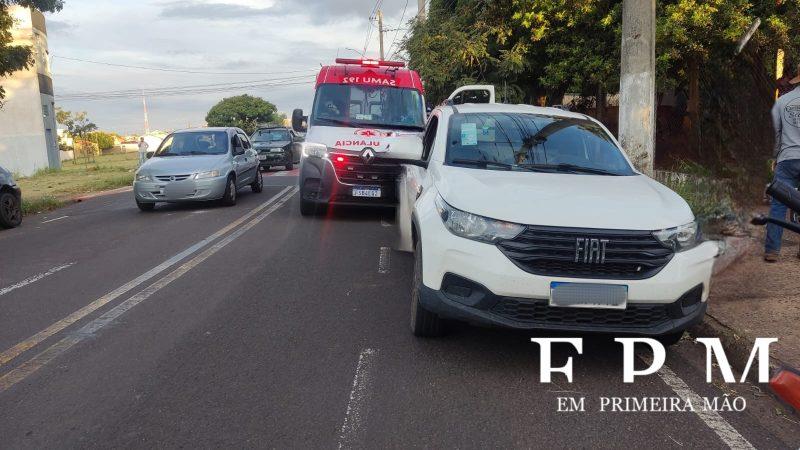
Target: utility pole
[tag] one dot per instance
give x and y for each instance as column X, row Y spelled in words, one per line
column 380, row 31
column 146, row 120
column 421, row 13
column 637, row 90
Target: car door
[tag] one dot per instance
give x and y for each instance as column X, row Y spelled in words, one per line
column 413, row 181
column 239, row 160
column 250, row 158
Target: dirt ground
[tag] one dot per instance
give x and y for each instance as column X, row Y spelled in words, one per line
column 761, row 299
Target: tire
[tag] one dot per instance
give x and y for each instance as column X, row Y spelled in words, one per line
column 229, row 198
column 423, row 322
column 145, row 206
column 307, row 208
column 10, row 210
column 258, row 184
column 671, row 339
column 290, row 166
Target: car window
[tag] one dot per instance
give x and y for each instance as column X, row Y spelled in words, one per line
column 522, row 139
column 245, row 141
column 195, row 143
column 274, row 135
column 352, row 105
column 429, row 138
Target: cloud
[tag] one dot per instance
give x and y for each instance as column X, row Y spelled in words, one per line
column 212, row 11
column 57, row 26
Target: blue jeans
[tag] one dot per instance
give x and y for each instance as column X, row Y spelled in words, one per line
column 788, row 172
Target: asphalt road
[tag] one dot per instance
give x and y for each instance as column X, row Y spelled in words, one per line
column 250, row 326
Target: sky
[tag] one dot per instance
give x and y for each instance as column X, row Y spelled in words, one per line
column 269, row 42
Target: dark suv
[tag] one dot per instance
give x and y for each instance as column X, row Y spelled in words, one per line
column 10, row 201
column 275, row 147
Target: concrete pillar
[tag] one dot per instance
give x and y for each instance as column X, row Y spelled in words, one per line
column 637, row 93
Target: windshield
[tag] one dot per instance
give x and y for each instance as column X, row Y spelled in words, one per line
column 533, row 142
column 350, row 105
column 194, row 143
column 271, row 136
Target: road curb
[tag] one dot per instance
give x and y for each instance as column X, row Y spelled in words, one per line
column 737, row 344
column 102, row 194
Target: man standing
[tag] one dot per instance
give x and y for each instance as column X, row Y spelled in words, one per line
column 143, row 146
column 786, row 120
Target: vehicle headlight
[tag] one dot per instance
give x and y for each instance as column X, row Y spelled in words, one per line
column 680, row 238
column 314, row 150
column 477, row 228
column 143, row 177
column 209, row 174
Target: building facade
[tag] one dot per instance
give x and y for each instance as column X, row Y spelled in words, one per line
column 28, row 133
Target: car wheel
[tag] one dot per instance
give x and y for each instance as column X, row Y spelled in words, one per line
column 307, row 208
column 423, row 322
column 258, row 184
column 10, row 210
column 670, row 339
column 229, row 199
column 290, row 166
column 145, row 206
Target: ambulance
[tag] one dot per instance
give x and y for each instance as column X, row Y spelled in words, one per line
column 367, row 119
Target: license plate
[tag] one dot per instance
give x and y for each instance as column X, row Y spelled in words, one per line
column 262, row 157
column 372, row 192
column 588, row 295
column 179, row 189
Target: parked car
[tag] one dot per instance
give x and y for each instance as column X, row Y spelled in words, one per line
column 275, row 147
column 534, row 218
column 198, row 165
column 10, row 201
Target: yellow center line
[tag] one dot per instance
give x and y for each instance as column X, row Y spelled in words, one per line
column 37, row 338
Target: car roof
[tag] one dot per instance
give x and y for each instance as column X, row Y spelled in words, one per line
column 190, row 130
column 519, row 109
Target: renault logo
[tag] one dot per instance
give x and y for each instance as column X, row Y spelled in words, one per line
column 590, row 251
column 368, row 155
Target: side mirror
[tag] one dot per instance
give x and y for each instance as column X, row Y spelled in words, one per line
column 299, row 121
column 149, row 155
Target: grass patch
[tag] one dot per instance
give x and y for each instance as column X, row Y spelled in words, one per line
column 50, row 188
column 40, row 204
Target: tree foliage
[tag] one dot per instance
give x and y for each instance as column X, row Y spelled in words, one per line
column 533, row 48
column 17, row 57
column 77, row 123
column 244, row 111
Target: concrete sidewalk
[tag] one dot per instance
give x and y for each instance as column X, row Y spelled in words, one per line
column 751, row 298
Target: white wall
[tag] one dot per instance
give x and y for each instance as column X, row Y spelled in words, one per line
column 23, row 148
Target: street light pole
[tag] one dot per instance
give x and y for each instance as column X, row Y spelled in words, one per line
column 637, row 93
column 380, row 31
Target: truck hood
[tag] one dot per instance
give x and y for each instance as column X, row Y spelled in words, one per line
column 387, row 143
column 182, row 165
column 565, row 200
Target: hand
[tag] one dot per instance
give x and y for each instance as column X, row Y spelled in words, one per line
column 774, row 164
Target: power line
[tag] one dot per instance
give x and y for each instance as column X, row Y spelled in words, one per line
column 173, row 88
column 164, row 69
column 183, row 92
column 397, row 30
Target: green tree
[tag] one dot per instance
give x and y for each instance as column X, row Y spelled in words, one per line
column 79, row 127
column 244, row 111
column 17, row 57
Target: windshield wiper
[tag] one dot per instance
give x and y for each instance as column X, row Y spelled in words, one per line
column 346, row 123
column 570, row 168
column 397, row 125
column 482, row 163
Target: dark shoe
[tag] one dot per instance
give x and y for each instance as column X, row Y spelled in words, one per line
column 770, row 257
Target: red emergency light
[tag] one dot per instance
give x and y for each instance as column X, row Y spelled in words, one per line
column 370, row 62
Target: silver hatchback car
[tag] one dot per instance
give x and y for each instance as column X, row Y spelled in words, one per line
column 198, row 165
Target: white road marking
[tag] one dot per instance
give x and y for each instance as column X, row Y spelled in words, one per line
column 34, row 278
column 53, row 220
column 384, row 261
column 37, row 362
column 352, row 428
column 34, row 340
column 712, row 419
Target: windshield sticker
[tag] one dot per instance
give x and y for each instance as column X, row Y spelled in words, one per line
column 363, row 116
column 487, row 133
column 469, row 134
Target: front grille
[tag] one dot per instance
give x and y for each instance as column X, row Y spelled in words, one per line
column 539, row 312
column 551, row 251
column 172, row 177
column 353, row 170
